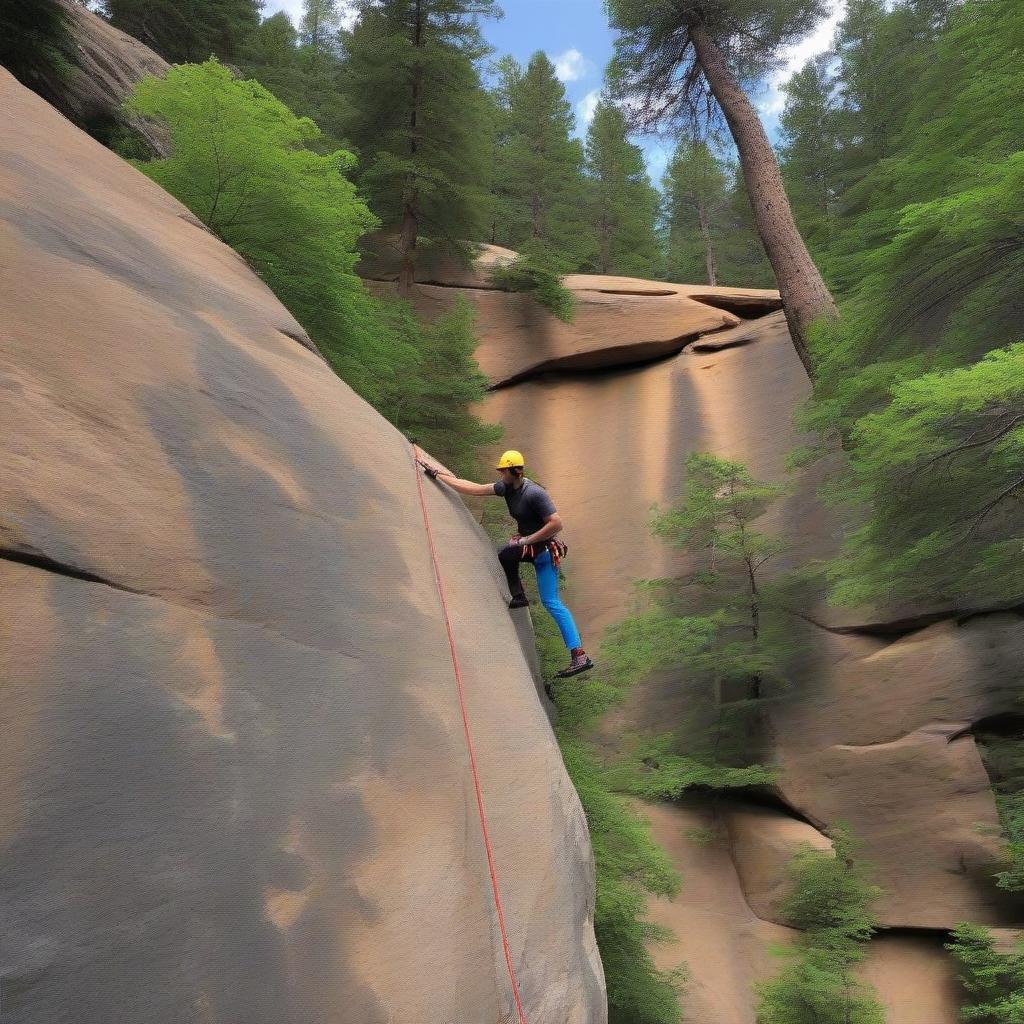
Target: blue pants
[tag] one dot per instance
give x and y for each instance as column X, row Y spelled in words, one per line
column 547, row 584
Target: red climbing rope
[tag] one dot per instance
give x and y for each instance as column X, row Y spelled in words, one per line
column 469, row 746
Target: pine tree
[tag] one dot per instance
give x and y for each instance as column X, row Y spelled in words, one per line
column 539, row 171
column 624, row 204
column 184, row 31
column 684, row 58
column 696, row 189
column 419, row 120
column 812, row 150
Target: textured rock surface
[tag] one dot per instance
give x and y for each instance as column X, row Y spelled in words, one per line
column 618, row 320
column 763, row 841
column 233, row 777
column 914, row 978
column 110, row 65
column 723, row 943
column 875, row 736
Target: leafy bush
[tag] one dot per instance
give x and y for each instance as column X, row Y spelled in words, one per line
column 242, row 163
column 830, row 902
column 538, row 272
column 993, row 982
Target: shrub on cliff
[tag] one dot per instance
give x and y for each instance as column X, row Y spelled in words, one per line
column 241, row 162
column 830, row 903
column 993, row 982
column 716, row 630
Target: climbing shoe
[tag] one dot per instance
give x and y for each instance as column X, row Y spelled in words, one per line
column 580, row 663
column 519, row 601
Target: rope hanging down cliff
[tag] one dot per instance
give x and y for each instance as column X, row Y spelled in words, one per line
column 469, row 742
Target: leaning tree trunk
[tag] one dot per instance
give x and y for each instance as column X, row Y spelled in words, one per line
column 709, row 246
column 805, row 296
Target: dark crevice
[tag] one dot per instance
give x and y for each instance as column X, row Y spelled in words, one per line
column 745, row 307
column 768, row 797
column 618, row 358
column 912, row 931
column 897, row 628
column 303, row 339
column 47, row 564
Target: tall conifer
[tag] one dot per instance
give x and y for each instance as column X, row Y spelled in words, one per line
column 539, row 170
column 624, row 204
column 419, row 119
column 184, row 31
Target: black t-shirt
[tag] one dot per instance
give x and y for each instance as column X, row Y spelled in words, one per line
column 529, row 505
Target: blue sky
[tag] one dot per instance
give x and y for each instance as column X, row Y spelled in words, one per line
column 576, row 36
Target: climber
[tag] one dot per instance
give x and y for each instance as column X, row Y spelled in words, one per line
column 539, row 523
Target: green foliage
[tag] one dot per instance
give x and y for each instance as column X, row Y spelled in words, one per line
column 35, row 44
column 184, row 31
column 240, row 162
column 623, row 203
column 538, row 184
column 1003, row 756
column 538, row 271
column 306, row 75
column 654, row 60
column 920, row 376
column 715, row 631
column 434, row 405
column 993, row 981
column 830, row 903
column 419, row 115
column 813, row 139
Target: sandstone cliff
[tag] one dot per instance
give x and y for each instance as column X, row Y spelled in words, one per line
column 879, row 733
column 233, row 777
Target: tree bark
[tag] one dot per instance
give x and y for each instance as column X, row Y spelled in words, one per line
column 805, row 297
column 410, row 212
column 709, row 247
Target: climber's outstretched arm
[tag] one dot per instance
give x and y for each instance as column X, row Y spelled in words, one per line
column 465, row 486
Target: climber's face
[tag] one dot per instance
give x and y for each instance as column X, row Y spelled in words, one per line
column 508, row 478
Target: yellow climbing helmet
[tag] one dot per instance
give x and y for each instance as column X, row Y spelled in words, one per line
column 511, row 460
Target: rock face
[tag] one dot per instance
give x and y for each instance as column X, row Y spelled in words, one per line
column 110, row 64
column 878, row 731
column 234, row 782
column 618, row 320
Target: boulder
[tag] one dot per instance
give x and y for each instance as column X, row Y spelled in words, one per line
column 234, row 777
column 763, row 842
column 914, row 977
column 724, row 946
column 881, row 741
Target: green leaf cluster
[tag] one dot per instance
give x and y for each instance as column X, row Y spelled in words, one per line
column 993, row 982
column 918, row 220
column 1003, row 756
column 241, row 163
column 717, row 631
column 830, row 902
column 537, row 271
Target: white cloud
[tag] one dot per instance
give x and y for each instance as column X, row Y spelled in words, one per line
column 571, row 66
column 586, row 106
column 797, row 56
column 656, row 158
column 293, row 8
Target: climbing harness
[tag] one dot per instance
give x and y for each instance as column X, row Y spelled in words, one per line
column 469, row 741
column 558, row 549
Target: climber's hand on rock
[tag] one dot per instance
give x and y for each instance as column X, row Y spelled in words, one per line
column 431, row 471
column 515, row 542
